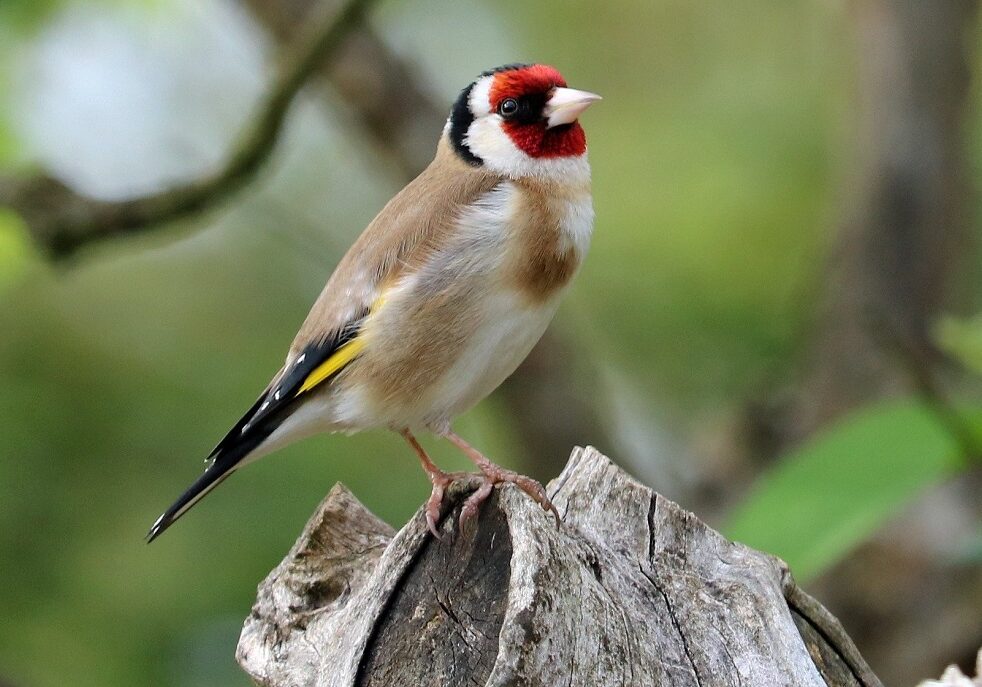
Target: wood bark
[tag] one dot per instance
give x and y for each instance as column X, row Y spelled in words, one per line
column 629, row 590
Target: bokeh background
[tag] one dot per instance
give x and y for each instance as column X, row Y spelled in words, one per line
column 775, row 326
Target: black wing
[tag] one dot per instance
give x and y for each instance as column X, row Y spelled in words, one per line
column 275, row 405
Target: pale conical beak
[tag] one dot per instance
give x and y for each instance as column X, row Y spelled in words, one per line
column 566, row 104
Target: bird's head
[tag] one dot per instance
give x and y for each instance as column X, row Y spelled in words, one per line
column 520, row 120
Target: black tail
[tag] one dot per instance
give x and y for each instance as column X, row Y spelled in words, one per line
column 276, row 403
column 213, row 476
column 225, row 458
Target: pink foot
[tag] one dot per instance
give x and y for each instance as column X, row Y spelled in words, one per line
column 441, row 481
column 486, row 481
column 495, row 474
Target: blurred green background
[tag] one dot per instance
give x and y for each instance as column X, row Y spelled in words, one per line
column 725, row 156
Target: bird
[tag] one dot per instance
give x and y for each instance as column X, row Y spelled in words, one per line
column 444, row 293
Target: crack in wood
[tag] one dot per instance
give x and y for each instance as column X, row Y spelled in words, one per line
column 675, row 623
column 435, row 604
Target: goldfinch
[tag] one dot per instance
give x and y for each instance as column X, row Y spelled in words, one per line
column 445, row 292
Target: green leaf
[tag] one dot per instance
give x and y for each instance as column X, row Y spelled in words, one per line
column 833, row 493
column 962, row 339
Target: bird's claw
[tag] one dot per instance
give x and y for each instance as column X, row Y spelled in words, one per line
column 473, row 503
column 533, row 488
column 489, row 477
column 441, row 481
column 433, row 509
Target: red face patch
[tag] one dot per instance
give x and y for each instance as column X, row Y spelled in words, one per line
column 514, row 83
column 533, row 138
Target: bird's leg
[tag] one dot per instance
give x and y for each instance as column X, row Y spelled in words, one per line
column 440, row 480
column 495, row 474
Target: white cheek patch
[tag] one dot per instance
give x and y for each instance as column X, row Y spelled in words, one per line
column 480, row 98
column 485, row 137
column 487, row 140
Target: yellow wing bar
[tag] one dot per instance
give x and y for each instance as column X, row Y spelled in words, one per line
column 341, row 357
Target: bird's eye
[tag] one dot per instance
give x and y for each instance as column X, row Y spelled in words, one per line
column 508, row 107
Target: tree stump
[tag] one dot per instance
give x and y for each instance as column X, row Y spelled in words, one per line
column 630, row 590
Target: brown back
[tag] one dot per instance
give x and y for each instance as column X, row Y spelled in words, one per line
column 402, row 234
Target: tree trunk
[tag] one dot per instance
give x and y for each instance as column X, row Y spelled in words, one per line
column 903, row 240
column 629, row 590
column 905, row 230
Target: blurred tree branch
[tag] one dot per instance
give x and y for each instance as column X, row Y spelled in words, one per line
column 62, row 221
column 389, row 102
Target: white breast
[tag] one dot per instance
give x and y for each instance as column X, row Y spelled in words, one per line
column 509, row 331
column 498, row 324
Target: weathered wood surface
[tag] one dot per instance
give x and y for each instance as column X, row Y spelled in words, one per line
column 630, row 590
